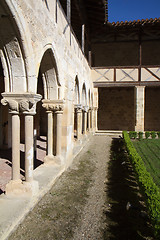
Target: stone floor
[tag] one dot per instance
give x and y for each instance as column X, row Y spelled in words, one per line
column 6, row 161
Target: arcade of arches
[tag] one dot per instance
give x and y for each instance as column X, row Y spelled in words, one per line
column 56, row 92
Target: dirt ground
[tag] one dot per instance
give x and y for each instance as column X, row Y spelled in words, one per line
column 96, row 198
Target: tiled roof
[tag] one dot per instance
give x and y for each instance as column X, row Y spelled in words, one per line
column 135, row 22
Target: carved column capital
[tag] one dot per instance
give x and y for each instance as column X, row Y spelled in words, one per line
column 21, row 103
column 78, row 107
column 95, row 108
column 53, row 105
column 85, row 108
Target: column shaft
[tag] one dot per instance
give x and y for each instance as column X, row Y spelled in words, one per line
column 59, row 132
column 139, row 110
column 15, row 147
column 89, row 120
column 50, row 134
column 79, row 124
column 85, row 123
column 29, row 150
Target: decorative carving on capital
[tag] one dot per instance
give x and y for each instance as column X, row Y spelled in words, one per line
column 85, row 108
column 53, row 105
column 95, row 108
column 12, row 105
column 78, row 107
column 21, row 103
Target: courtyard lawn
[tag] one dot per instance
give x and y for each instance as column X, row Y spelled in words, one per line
column 149, row 150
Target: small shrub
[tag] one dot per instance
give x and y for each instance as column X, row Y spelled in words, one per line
column 153, row 134
column 158, row 134
column 147, row 134
column 133, row 134
column 140, row 135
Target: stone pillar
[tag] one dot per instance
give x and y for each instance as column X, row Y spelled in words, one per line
column 15, row 185
column 50, row 134
column 21, row 103
column 15, row 146
column 94, row 118
column 78, row 109
column 29, row 150
column 89, row 119
column 55, row 106
column 9, row 131
column 85, row 120
column 58, row 132
column 139, row 107
column 49, row 157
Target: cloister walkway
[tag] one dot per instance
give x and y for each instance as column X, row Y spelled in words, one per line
column 89, row 200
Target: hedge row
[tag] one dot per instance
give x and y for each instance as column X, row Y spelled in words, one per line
column 148, row 187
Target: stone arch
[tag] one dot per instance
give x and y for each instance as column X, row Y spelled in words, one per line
column 12, row 49
column 84, row 96
column 76, row 91
column 76, row 101
column 84, row 110
column 49, row 73
column 16, row 27
column 48, row 86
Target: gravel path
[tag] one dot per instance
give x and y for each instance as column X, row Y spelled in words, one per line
column 90, row 199
column 74, row 207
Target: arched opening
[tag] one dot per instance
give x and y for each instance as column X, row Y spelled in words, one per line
column 12, row 80
column 84, row 103
column 76, row 102
column 48, row 87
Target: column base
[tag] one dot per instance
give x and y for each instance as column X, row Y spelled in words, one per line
column 53, row 160
column 18, row 188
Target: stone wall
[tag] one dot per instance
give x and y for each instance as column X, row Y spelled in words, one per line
column 152, row 109
column 116, row 109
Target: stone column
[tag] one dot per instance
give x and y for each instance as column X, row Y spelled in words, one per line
column 89, row 119
column 29, row 150
column 79, row 120
column 55, row 106
column 85, row 120
column 14, row 186
column 50, row 134
column 9, row 130
column 49, row 157
column 21, row 103
column 15, row 146
column 139, row 107
column 94, row 118
column 58, row 132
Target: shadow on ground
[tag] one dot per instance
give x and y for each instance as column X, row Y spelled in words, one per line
column 126, row 217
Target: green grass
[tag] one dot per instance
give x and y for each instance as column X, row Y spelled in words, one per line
column 149, row 150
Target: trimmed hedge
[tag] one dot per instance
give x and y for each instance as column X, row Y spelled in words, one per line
column 149, row 188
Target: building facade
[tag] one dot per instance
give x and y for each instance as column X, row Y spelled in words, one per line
column 62, row 65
